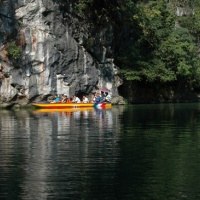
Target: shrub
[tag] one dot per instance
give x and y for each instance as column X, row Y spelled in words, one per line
column 13, row 50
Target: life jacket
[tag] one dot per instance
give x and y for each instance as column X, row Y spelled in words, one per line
column 57, row 99
column 98, row 99
column 68, row 100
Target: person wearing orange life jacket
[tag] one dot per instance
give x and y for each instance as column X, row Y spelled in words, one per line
column 68, row 100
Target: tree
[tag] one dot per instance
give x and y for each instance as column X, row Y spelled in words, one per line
column 162, row 51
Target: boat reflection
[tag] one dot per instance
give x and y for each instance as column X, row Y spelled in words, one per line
column 98, row 117
column 66, row 110
column 50, row 152
column 76, row 113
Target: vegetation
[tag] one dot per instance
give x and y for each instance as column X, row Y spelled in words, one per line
column 162, row 50
column 83, row 5
column 160, row 45
column 13, row 50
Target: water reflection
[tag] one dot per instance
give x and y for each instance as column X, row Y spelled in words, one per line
column 79, row 144
column 56, row 154
column 138, row 152
column 161, row 152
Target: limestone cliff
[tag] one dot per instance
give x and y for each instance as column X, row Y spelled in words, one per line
column 53, row 58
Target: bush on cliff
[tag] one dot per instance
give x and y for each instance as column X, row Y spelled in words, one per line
column 13, row 50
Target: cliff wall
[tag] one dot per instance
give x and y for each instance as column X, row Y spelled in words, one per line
column 53, row 59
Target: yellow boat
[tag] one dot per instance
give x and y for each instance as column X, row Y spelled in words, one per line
column 71, row 105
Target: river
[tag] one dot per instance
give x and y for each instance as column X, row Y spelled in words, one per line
column 139, row 152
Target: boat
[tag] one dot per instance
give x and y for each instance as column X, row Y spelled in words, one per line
column 48, row 105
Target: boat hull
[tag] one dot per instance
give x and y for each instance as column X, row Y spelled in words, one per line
column 70, row 105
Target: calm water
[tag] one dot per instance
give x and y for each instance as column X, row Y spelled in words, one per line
column 140, row 152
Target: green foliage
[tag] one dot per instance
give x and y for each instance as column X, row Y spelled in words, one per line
column 89, row 42
column 180, row 52
column 13, row 50
column 7, row 75
column 152, row 43
column 184, row 3
column 82, row 5
column 130, row 75
column 161, row 51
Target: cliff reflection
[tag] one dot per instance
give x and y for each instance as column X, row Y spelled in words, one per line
column 49, row 148
column 81, row 143
column 138, row 152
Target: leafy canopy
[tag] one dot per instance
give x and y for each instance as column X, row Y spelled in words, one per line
column 162, row 51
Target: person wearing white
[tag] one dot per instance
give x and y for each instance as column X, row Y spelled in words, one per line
column 108, row 98
column 85, row 99
column 76, row 99
column 93, row 99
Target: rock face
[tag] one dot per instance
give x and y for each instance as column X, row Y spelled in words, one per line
column 53, row 57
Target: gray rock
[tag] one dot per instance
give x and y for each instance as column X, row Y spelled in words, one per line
column 53, row 58
column 119, row 100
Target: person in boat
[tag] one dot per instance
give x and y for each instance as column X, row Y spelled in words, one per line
column 103, row 97
column 98, row 98
column 93, row 98
column 69, row 100
column 76, row 99
column 64, row 98
column 108, row 98
column 56, row 100
column 85, row 99
column 50, row 99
